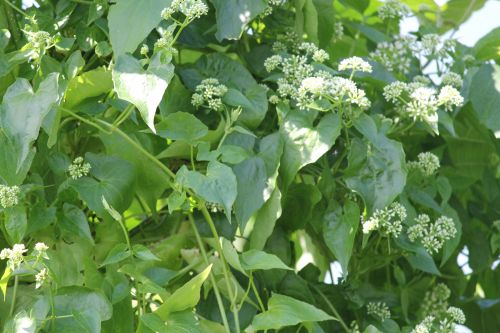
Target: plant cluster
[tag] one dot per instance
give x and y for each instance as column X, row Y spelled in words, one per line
column 247, row 166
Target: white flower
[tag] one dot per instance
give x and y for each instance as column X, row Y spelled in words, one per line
column 456, row 314
column 394, row 90
column 313, row 84
column 41, row 277
column 450, row 97
column 338, row 31
column 427, row 163
column 395, row 56
column 452, row 79
column 209, row 92
column 41, row 247
column 378, row 309
column 355, row 64
column 190, row 8
column 273, row 62
column 15, row 255
column 393, row 9
column 423, row 104
column 388, row 220
column 144, row 49
column 425, row 326
column 432, row 235
column 320, row 56
column 78, row 168
column 9, row 195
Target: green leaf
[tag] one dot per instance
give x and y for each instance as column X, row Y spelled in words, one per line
column 182, row 126
column 423, row 261
column 23, row 110
column 305, row 143
column 9, row 172
column 485, row 95
column 251, row 177
column 233, row 15
column 178, row 322
column 455, row 12
column 255, row 260
column 265, row 220
column 130, row 22
column 16, row 223
column 74, row 222
column 377, row 168
column 217, row 186
column 143, row 88
column 85, row 310
column 4, row 281
column 185, row 297
column 89, row 84
column 118, row 253
column 74, row 64
column 287, row 311
column 231, row 255
column 143, row 253
column 298, row 205
column 114, row 179
column 339, row 230
column 488, row 47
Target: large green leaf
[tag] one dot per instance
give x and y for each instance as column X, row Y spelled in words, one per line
column 339, row 230
column 485, row 95
column 305, row 143
column 233, row 15
column 16, row 223
column 182, row 126
column 488, row 47
column 83, row 308
column 185, row 297
column 287, row 311
column 130, row 21
column 455, row 12
column 377, row 168
column 254, row 260
column 143, row 88
column 74, row 222
column 23, row 110
column 113, row 178
column 89, row 84
column 265, row 220
column 10, row 173
column 217, row 186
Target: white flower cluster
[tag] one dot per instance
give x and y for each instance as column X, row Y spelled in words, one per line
column 379, row 310
column 337, row 90
column 314, row 52
column 452, row 317
column 290, row 41
column 41, row 277
column 435, row 301
column 209, row 92
column 9, row 195
column 79, row 168
column 395, row 56
column 452, row 79
column 338, row 31
column 421, row 102
column 388, row 220
column 270, row 7
column 427, row 163
column 355, row 64
column 15, row 256
column 39, row 39
column 393, row 9
column 192, row 9
column 431, row 44
column 432, row 235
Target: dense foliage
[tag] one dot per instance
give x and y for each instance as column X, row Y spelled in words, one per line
column 211, row 166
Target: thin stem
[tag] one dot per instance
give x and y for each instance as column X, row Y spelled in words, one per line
column 212, row 278
column 83, row 2
column 256, row 292
column 52, row 310
column 225, row 270
column 14, row 294
column 193, row 167
column 84, row 120
column 124, row 115
column 332, row 308
column 17, row 9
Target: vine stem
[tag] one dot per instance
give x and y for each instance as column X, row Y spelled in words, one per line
column 332, row 308
column 170, row 179
column 212, row 278
column 14, row 294
column 225, row 269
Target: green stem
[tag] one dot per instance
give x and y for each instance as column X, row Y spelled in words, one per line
column 52, row 310
column 193, row 167
column 12, row 22
column 256, row 292
column 225, row 269
column 14, row 294
column 332, row 308
column 212, row 278
column 124, row 115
